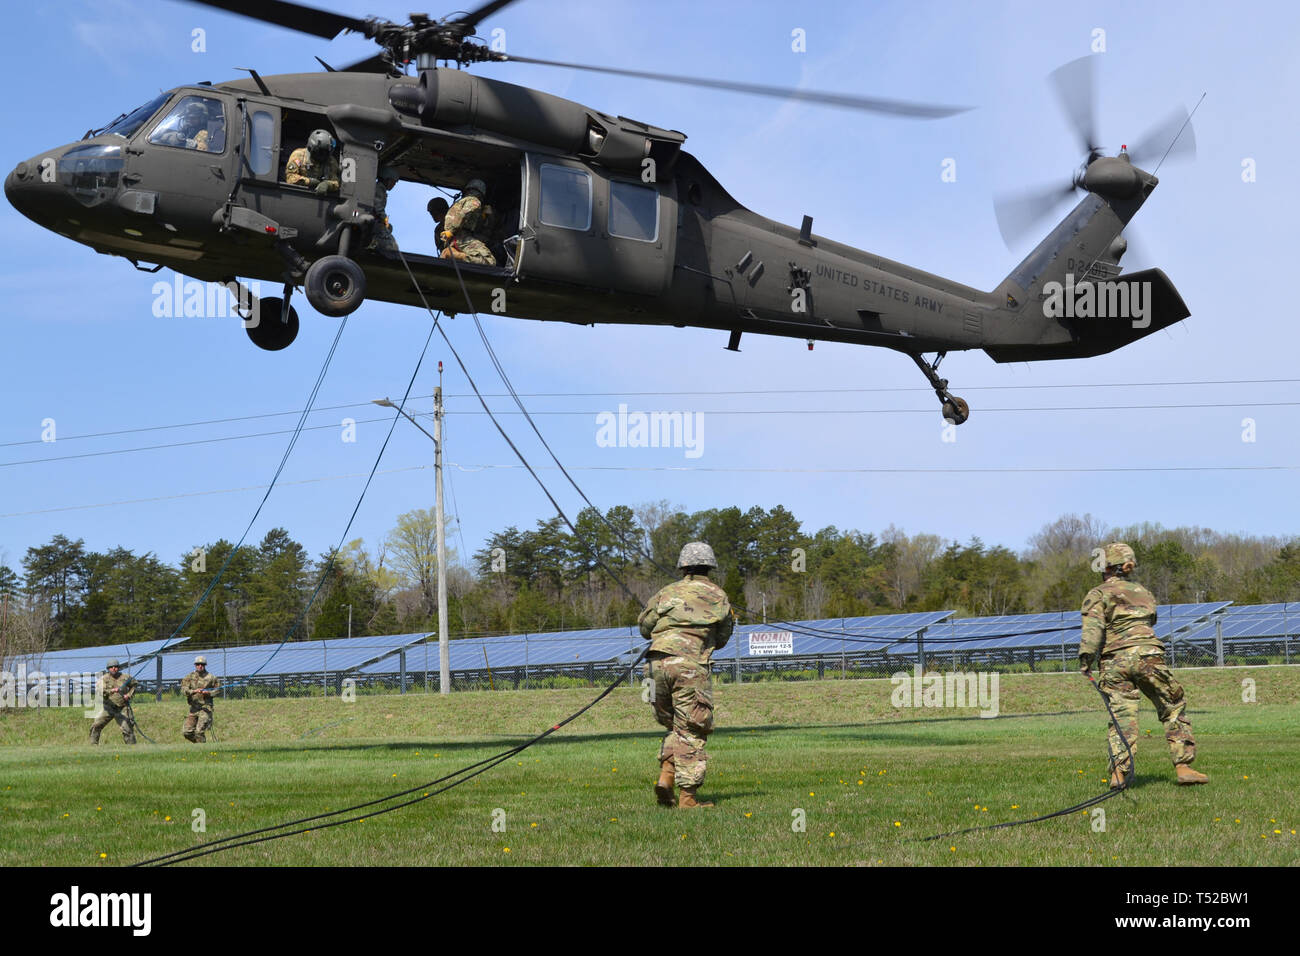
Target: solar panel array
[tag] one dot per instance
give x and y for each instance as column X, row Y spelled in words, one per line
column 893, row 634
column 295, row 657
column 91, row 660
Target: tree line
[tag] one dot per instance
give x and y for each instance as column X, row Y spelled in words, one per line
column 548, row 578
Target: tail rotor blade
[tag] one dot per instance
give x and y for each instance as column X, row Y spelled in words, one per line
column 1171, row 138
column 1075, row 85
column 1018, row 213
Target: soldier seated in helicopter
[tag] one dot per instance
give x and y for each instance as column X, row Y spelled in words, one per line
column 460, row 230
column 314, row 165
column 191, row 125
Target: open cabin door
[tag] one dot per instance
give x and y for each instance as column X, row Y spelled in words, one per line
column 593, row 227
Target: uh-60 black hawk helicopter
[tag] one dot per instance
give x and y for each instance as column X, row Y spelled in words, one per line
column 607, row 219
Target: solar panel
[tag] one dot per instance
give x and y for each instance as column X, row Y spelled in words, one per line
column 294, row 657
column 92, row 659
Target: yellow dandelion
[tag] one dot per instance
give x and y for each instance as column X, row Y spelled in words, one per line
column 167, row 819
column 859, row 783
column 103, row 856
column 1277, row 832
column 613, row 770
column 1015, row 806
column 832, row 833
column 1245, row 776
column 1238, row 820
column 953, row 849
column 505, row 849
column 683, row 836
column 66, row 815
column 394, row 775
column 1271, row 820
column 99, row 808
column 750, row 814
column 613, row 819
column 1216, row 819
column 811, row 794
column 534, row 825
column 1293, row 833
column 897, row 823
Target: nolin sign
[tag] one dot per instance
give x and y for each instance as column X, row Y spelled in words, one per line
column 771, row 643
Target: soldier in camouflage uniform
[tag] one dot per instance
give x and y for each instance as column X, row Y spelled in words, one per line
column 115, row 690
column 460, row 227
column 197, row 686
column 383, row 241
column 437, row 209
column 685, row 623
column 314, row 165
column 1119, row 616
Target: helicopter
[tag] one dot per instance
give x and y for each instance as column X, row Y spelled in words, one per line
column 603, row 219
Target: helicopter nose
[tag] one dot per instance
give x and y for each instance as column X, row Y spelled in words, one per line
column 22, row 186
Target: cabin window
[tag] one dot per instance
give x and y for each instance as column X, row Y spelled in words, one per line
column 196, row 122
column 565, row 199
column 633, row 211
column 261, row 143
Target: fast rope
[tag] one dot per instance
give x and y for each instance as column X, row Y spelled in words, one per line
column 458, row 777
column 1090, row 802
column 266, row 834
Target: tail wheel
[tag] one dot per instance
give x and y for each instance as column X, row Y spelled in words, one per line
column 270, row 328
column 335, row 285
column 956, row 411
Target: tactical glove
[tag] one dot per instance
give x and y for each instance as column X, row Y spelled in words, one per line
column 1085, row 664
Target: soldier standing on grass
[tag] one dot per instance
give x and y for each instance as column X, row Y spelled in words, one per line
column 197, row 686
column 115, row 692
column 1119, row 617
column 685, row 623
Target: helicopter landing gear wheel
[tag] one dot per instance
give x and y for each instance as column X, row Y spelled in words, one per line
column 335, row 285
column 955, row 410
column 275, row 330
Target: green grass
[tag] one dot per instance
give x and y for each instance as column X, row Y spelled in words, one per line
column 874, row 776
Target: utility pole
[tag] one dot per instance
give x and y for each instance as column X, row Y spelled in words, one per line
column 444, row 663
column 349, row 607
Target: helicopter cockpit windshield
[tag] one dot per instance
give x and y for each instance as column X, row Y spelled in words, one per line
column 126, row 124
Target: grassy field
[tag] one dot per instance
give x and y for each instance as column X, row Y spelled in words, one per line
column 866, row 778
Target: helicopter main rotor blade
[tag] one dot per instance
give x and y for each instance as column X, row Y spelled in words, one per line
column 294, row 16
column 1075, row 84
column 1018, row 213
column 371, row 64
column 1163, row 141
column 482, row 13
column 848, row 101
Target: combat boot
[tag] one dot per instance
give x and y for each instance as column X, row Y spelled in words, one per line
column 686, row 799
column 1117, row 780
column 189, row 737
column 664, row 785
column 1186, row 775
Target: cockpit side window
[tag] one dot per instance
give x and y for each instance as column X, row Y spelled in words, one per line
column 195, row 122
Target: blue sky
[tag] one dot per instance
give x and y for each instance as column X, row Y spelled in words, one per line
column 82, row 347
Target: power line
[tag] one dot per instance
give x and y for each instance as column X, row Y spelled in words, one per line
column 714, row 412
column 471, row 469
column 849, row 390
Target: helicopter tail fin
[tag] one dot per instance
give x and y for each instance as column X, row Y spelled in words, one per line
column 1067, row 300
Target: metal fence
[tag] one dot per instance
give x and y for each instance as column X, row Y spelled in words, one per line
column 535, row 662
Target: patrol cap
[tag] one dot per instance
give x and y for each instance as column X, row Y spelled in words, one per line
column 476, row 186
column 697, row 554
column 200, row 659
column 1119, row 553
column 113, row 663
